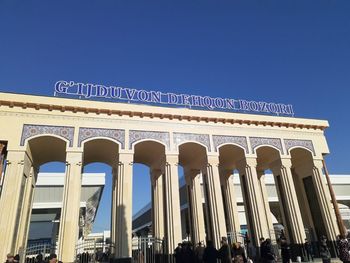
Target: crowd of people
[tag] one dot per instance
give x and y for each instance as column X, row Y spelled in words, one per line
column 186, row 252
column 52, row 258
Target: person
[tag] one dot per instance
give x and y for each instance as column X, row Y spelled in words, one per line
column 199, row 252
column 285, row 251
column 16, row 258
column 268, row 252
column 324, row 250
column 53, row 258
column 344, row 247
column 10, row 258
column 210, row 253
column 238, row 254
column 39, row 258
column 177, row 253
column 309, row 250
column 262, row 248
column 224, row 251
column 187, row 253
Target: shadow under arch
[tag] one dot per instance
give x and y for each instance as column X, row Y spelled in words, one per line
column 101, row 150
column 46, row 148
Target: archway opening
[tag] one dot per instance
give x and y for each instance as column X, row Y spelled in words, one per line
column 195, row 211
column 236, row 215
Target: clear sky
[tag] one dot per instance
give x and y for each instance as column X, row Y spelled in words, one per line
column 295, row 52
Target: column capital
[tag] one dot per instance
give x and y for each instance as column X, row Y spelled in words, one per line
column 126, row 158
column 172, row 159
column 74, row 157
column 213, row 160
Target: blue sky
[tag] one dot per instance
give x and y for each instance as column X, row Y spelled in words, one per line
column 295, row 52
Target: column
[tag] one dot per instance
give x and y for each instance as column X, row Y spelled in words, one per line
column 195, row 201
column 289, row 201
column 215, row 202
column 157, row 204
column 69, row 221
column 172, row 204
column 2, row 156
column 24, row 220
column 265, row 198
column 324, row 201
column 232, row 220
column 254, row 205
column 12, row 200
column 122, row 204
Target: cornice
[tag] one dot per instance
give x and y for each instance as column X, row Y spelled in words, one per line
column 154, row 112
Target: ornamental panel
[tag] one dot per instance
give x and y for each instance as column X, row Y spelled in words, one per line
column 184, row 137
column 222, row 139
column 115, row 134
column 135, row 136
column 258, row 141
column 290, row 143
column 30, row 130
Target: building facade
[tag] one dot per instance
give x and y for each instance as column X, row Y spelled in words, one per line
column 207, row 144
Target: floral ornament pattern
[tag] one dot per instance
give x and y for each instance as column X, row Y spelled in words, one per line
column 290, row 143
column 183, row 137
column 115, row 134
column 135, row 136
column 257, row 141
column 222, row 139
column 30, row 130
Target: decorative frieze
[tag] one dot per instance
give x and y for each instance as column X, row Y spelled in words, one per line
column 179, row 138
column 291, row 143
column 115, row 134
column 258, row 141
column 223, row 139
column 30, row 130
column 135, row 136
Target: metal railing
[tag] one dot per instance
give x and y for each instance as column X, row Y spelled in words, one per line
column 147, row 250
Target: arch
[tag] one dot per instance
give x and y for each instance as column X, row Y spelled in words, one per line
column 301, row 147
column 230, row 144
column 87, row 133
column 149, row 152
column 31, row 130
column 146, row 140
column 267, row 155
column 193, row 154
column 101, row 138
column 230, row 154
column 263, row 141
column 269, row 146
column 195, row 142
column 40, row 148
column 219, row 140
column 26, row 141
column 108, row 154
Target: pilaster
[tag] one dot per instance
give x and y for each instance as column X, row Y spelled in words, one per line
column 69, row 222
column 13, row 200
column 215, row 202
column 254, row 205
column 291, row 205
column 232, row 220
column 122, row 203
column 172, row 204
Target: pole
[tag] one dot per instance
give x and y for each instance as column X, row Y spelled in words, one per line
column 334, row 201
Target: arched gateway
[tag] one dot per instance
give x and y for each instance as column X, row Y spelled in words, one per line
column 209, row 146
